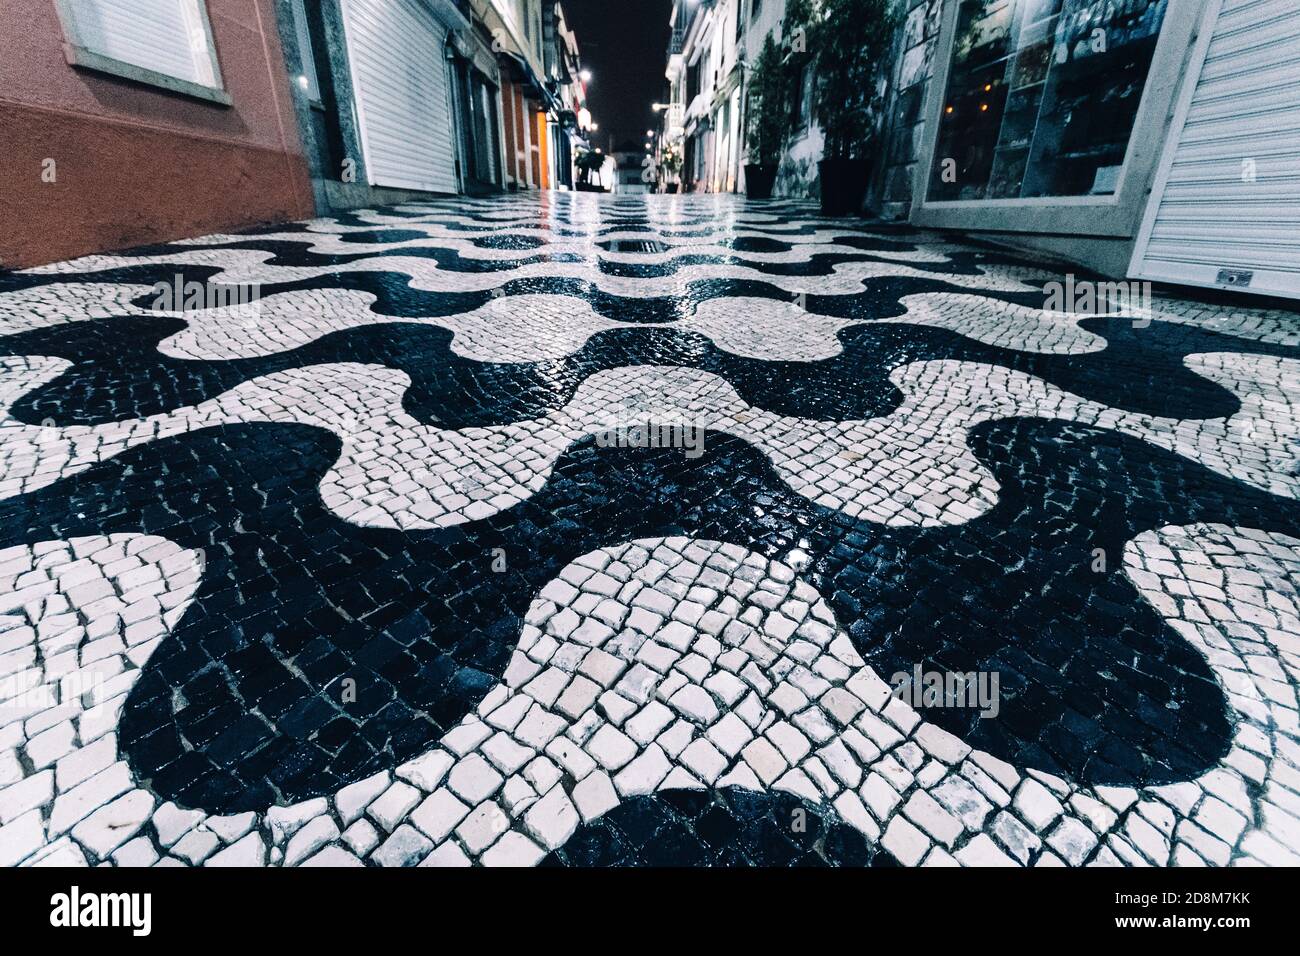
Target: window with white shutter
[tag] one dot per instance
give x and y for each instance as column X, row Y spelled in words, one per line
column 166, row 43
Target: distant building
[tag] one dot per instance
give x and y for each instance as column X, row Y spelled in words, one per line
column 630, row 173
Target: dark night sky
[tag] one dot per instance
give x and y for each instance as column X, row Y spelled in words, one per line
column 625, row 45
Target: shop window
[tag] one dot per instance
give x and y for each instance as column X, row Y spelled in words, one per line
column 166, row 43
column 1042, row 97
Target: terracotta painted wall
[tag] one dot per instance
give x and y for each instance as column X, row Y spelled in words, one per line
column 521, row 132
column 137, row 164
column 510, row 127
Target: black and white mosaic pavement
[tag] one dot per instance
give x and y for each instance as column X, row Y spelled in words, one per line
column 586, row 531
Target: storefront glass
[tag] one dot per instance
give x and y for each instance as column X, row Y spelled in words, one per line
column 1041, row 98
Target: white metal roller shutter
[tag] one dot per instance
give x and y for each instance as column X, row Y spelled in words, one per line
column 1225, row 210
column 399, row 75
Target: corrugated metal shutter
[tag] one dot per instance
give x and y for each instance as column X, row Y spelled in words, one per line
column 399, row 75
column 1229, row 193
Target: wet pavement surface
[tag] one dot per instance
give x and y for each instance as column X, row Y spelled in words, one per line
column 638, row 531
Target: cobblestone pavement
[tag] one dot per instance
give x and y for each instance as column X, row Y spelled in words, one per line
column 588, row 531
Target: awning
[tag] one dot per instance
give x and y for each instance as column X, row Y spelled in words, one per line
column 477, row 54
column 533, row 85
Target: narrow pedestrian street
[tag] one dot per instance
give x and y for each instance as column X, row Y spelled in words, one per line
column 560, row 528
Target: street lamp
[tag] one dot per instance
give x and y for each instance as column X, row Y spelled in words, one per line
column 584, row 75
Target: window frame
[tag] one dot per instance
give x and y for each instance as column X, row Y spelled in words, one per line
column 306, row 55
column 77, row 54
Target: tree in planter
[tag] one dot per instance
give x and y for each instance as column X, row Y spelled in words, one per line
column 851, row 41
column 765, row 124
column 589, row 161
column 672, row 168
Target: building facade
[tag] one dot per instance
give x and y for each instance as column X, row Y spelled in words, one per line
column 136, row 121
column 713, row 42
column 702, row 74
column 393, row 100
column 563, row 65
column 1151, row 139
column 144, row 122
column 401, row 98
column 541, row 90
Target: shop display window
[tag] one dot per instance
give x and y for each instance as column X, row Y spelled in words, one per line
column 1042, row 96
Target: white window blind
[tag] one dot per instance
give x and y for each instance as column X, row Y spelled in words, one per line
column 167, row 37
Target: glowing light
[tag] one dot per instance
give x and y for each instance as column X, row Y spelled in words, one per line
column 584, row 75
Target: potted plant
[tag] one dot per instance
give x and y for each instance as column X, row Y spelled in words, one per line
column 765, row 120
column 851, row 40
